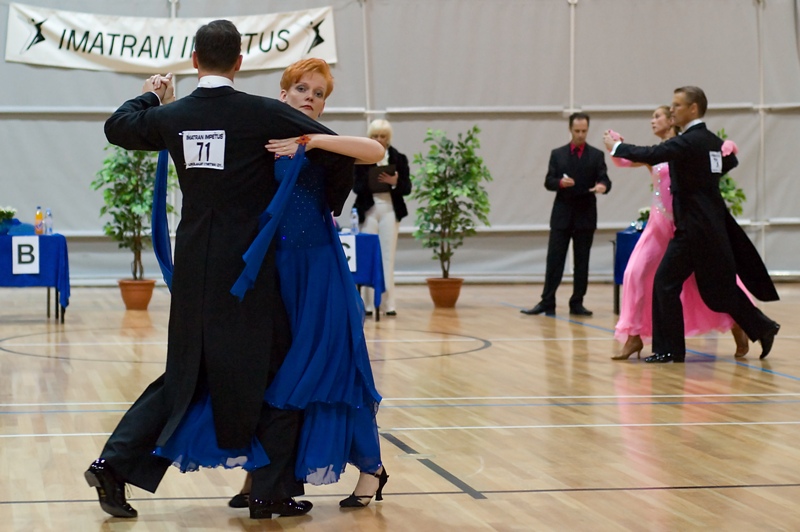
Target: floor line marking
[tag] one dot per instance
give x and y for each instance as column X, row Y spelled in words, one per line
column 428, row 493
column 474, row 398
column 585, row 397
column 433, row 466
column 486, row 427
column 595, row 426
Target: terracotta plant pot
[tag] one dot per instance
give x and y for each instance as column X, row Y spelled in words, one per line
column 444, row 292
column 136, row 293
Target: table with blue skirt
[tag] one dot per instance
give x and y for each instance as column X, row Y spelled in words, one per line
column 53, row 270
column 623, row 247
column 369, row 267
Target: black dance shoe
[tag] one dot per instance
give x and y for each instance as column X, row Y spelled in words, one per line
column 361, row 501
column 541, row 308
column 580, row 310
column 663, row 358
column 768, row 339
column 240, row 500
column 284, row 508
column 110, row 490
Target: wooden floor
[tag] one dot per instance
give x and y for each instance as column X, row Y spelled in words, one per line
column 491, row 420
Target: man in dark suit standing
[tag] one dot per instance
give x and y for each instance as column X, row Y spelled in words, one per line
column 708, row 242
column 577, row 172
column 217, row 345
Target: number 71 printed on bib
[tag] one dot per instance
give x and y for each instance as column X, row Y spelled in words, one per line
column 204, row 149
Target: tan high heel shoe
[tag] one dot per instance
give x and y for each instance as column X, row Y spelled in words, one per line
column 632, row 345
column 742, row 341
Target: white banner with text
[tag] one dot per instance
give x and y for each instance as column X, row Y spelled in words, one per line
column 66, row 39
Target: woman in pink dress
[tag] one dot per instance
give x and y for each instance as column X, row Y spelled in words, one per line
column 635, row 325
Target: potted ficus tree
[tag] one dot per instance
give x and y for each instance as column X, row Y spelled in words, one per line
column 452, row 199
column 127, row 180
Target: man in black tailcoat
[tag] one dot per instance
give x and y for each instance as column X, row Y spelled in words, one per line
column 577, row 173
column 708, row 242
column 217, row 344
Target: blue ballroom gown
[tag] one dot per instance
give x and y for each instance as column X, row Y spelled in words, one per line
column 327, row 371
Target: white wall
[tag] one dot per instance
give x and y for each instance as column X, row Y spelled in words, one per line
column 448, row 64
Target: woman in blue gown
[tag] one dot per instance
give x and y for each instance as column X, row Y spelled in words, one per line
column 327, row 371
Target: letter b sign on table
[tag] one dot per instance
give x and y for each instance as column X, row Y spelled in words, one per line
column 25, row 255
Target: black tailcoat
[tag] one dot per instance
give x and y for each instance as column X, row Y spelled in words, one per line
column 720, row 248
column 237, row 345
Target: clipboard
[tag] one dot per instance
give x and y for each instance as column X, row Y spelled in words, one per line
column 374, row 172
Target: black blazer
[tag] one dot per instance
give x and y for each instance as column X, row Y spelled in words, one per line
column 239, row 346
column 575, row 207
column 364, row 201
column 719, row 246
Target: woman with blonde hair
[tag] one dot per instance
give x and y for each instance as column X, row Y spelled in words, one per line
column 635, row 324
column 381, row 206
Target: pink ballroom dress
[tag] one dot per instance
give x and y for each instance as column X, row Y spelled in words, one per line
column 636, row 314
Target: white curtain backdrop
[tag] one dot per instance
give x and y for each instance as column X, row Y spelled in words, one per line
column 511, row 66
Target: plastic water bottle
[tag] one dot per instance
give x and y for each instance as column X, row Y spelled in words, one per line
column 38, row 221
column 354, row 221
column 48, row 222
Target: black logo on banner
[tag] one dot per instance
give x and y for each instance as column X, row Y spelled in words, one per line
column 317, row 37
column 38, row 37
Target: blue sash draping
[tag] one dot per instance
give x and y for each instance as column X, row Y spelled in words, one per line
column 268, row 223
column 159, row 224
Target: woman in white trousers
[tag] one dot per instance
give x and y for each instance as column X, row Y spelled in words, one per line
column 381, row 206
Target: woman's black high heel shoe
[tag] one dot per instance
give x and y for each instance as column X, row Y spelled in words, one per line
column 361, row 501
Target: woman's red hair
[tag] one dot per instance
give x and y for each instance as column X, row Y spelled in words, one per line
column 297, row 70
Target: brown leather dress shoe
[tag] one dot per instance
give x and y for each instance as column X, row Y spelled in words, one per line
column 110, row 490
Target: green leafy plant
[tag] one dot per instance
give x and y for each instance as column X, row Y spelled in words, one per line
column 449, row 188
column 7, row 213
column 127, row 180
column 733, row 195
